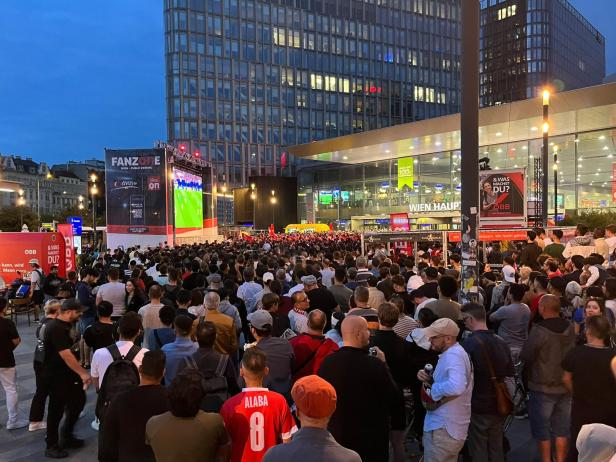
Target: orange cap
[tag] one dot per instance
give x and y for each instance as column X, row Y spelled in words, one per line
column 314, row 396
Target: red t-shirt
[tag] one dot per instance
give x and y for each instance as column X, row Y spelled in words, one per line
column 304, row 346
column 256, row 420
column 534, row 307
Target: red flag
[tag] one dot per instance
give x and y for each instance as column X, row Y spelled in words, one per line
column 283, row 159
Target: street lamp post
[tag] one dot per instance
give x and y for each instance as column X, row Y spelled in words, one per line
column 555, row 184
column 21, row 202
column 273, row 201
column 94, row 192
column 224, row 204
column 48, row 176
column 544, row 158
column 253, row 196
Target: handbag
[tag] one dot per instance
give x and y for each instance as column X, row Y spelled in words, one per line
column 504, row 403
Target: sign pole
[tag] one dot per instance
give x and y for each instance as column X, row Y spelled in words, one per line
column 470, row 147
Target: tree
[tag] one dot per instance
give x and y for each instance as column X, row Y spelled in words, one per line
column 593, row 219
column 74, row 211
column 11, row 218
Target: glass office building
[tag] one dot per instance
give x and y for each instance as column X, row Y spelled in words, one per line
column 528, row 44
column 356, row 181
column 245, row 78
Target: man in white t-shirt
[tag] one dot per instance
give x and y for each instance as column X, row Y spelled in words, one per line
column 113, row 292
column 129, row 328
column 149, row 313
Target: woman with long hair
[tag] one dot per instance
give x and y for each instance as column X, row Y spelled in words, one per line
column 134, row 298
column 594, row 306
column 588, row 376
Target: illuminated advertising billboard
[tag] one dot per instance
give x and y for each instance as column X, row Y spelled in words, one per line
column 135, row 191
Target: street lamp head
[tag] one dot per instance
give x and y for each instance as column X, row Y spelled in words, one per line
column 21, row 192
column 94, row 190
column 273, row 200
column 49, row 175
column 80, row 206
column 224, row 189
column 546, row 97
column 273, row 192
column 253, row 196
column 93, row 177
column 80, row 197
column 21, row 201
column 546, row 127
column 253, row 186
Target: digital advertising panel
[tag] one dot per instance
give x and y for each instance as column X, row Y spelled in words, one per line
column 187, row 200
column 502, row 197
column 135, row 190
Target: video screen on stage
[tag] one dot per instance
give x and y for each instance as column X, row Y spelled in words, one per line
column 188, row 199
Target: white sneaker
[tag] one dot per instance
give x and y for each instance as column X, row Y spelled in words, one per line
column 17, row 424
column 34, row 426
column 95, row 423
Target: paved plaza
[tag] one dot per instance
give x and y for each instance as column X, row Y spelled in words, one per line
column 23, row 446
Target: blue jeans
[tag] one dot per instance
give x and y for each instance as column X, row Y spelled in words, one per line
column 549, row 415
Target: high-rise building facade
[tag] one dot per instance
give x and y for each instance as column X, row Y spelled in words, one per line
column 246, row 78
column 529, row 44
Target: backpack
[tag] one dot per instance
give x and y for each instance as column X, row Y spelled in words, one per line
column 215, row 385
column 43, row 279
column 120, row 376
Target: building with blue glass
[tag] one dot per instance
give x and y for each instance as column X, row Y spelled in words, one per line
column 527, row 45
column 245, row 78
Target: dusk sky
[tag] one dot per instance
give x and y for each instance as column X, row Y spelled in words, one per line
column 79, row 76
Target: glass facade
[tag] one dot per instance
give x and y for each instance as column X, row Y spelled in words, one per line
column 528, row 44
column 362, row 196
column 246, row 78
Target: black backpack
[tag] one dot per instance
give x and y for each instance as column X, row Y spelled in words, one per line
column 120, row 376
column 214, row 384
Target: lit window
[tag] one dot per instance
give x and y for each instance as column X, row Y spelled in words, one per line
column 507, row 12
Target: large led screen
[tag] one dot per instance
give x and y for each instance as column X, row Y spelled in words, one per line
column 188, row 199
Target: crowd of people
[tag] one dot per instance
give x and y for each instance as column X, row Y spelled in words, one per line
column 277, row 347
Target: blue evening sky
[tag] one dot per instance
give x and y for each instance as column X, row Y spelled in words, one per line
column 79, row 76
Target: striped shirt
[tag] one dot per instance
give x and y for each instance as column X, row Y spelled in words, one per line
column 405, row 326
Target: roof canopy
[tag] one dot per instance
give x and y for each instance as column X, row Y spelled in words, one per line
column 576, row 111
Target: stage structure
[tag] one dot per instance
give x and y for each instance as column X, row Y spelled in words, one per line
column 159, row 196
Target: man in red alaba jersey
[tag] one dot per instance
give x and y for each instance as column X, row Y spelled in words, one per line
column 256, row 418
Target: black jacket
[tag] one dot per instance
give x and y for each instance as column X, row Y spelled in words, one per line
column 529, row 255
column 136, row 302
column 369, row 402
column 122, row 433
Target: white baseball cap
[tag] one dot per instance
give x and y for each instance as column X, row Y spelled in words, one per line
column 268, row 277
column 508, row 273
column 34, row 261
